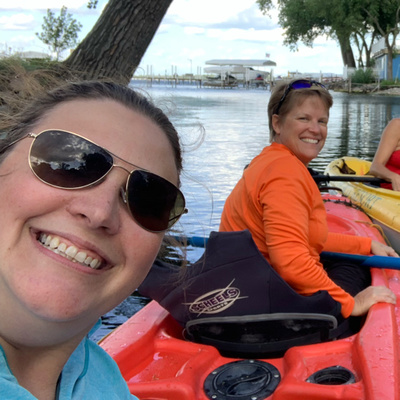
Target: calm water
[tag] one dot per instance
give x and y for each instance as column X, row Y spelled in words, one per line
column 222, row 130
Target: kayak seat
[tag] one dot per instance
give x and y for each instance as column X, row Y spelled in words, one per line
column 263, row 335
column 345, row 169
column 234, row 300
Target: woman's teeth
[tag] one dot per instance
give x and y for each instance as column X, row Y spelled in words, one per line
column 313, row 141
column 70, row 252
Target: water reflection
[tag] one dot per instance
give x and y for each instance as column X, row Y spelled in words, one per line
column 236, row 129
column 355, row 126
column 119, row 315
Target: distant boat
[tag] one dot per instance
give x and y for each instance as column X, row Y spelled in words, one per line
column 240, row 73
column 241, row 69
column 242, row 63
column 224, row 80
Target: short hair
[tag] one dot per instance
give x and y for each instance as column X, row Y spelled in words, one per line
column 293, row 98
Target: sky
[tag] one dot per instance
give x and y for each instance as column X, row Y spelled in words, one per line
column 192, row 32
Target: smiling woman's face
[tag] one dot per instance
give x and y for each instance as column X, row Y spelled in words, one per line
column 38, row 285
column 304, row 129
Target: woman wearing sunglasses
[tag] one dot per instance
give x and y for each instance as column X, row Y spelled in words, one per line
column 89, row 178
column 279, row 202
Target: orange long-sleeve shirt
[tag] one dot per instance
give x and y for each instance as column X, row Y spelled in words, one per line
column 279, row 203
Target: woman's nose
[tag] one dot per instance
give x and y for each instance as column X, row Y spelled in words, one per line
column 314, row 126
column 100, row 206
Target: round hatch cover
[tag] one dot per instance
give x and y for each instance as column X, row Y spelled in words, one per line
column 242, row 380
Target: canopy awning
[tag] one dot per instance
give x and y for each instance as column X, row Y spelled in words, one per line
column 243, row 63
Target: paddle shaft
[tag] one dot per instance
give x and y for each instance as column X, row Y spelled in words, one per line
column 348, row 178
column 367, row 261
column 195, row 241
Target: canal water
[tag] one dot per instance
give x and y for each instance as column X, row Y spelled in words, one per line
column 223, row 129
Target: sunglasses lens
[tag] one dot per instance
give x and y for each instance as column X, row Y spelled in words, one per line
column 154, row 203
column 65, row 160
column 301, row 85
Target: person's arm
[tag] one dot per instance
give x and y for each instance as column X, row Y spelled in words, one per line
column 364, row 300
column 381, row 249
column 342, row 243
column 389, row 142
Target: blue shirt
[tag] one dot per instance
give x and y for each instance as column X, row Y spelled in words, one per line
column 90, row 373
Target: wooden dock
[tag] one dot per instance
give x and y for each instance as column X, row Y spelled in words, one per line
column 173, row 80
column 199, row 81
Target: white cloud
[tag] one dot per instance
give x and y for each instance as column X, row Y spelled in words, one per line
column 23, row 40
column 239, row 34
column 41, row 4
column 251, row 53
column 323, row 40
column 192, row 30
column 206, row 11
column 304, row 51
column 16, row 22
column 193, row 53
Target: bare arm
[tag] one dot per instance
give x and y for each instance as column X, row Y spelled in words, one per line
column 390, row 141
column 374, row 294
column 370, row 296
column 380, row 249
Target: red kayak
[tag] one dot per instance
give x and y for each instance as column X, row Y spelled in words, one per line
column 159, row 364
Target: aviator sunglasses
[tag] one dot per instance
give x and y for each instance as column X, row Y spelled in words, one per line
column 298, row 84
column 66, row 160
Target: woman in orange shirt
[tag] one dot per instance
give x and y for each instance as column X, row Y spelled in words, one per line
column 279, row 203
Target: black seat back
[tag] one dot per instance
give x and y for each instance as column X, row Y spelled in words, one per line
column 233, row 297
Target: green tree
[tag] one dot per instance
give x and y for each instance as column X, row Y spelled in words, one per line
column 119, row 39
column 363, row 39
column 348, row 21
column 304, row 20
column 59, row 33
column 92, row 4
column 384, row 18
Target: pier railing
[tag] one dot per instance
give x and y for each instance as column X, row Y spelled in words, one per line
column 200, row 81
column 229, row 82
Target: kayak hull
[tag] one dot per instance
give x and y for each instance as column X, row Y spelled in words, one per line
column 382, row 205
column 158, row 364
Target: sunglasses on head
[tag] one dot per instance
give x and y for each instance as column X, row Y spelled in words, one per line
column 66, row 160
column 298, row 84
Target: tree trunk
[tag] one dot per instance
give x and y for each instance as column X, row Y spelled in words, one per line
column 389, row 57
column 347, row 52
column 119, row 39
